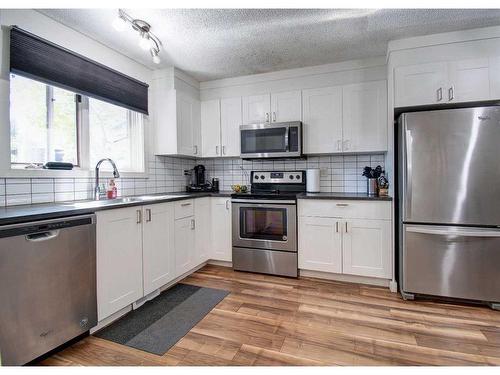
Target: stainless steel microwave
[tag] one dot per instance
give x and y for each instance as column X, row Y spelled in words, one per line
column 275, row 140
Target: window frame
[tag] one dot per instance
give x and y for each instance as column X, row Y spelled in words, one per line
column 83, row 167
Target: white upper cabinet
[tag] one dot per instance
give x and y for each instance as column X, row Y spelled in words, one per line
column 322, row 121
column 469, row 80
column 256, row 109
column 364, row 111
column 420, row 84
column 158, row 245
column 286, row 106
column 220, row 127
column 494, row 63
column 230, row 121
column 445, row 82
column 210, row 128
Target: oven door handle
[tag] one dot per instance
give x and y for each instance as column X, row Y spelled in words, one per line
column 263, row 201
column 287, row 139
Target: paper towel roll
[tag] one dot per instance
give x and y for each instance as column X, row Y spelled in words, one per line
column 312, row 180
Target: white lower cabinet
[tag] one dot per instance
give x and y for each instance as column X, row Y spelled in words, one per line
column 320, row 244
column 202, row 229
column 184, row 244
column 119, row 259
column 158, row 246
column 365, row 248
column 221, row 239
column 350, row 238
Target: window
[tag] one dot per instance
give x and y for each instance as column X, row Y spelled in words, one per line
column 52, row 124
column 44, row 124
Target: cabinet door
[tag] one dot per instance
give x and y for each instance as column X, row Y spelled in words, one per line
column 210, row 128
column 256, row 109
column 420, row 84
column 184, row 245
column 196, row 124
column 230, row 126
column 185, row 128
column 119, row 259
column 221, row 230
column 158, row 246
column 469, row 80
column 286, row 106
column 202, row 230
column 320, row 244
column 494, row 64
column 365, row 117
column 367, row 248
column 322, row 125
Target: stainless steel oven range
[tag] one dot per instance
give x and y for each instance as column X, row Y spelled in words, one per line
column 265, row 223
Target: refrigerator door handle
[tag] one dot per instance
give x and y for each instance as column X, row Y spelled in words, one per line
column 453, row 231
column 407, row 174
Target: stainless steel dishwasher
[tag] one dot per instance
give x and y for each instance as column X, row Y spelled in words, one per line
column 47, row 285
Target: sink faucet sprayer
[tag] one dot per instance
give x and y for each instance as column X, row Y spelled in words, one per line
column 116, row 174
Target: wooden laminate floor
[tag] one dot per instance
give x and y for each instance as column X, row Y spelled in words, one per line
column 268, row 320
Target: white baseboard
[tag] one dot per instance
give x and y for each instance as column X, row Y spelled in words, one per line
column 393, row 286
column 346, row 278
column 221, row 263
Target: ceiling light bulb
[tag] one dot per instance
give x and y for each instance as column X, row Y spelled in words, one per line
column 119, row 24
column 144, row 42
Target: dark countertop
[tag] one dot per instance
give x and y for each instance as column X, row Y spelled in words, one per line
column 343, row 196
column 33, row 212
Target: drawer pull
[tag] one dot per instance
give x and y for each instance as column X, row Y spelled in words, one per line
column 185, row 204
column 342, row 204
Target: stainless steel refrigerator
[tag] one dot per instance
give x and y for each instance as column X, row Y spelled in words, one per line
column 449, row 203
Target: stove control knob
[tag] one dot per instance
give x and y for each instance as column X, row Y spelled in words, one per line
column 262, row 177
column 297, row 177
column 291, row 177
column 256, row 177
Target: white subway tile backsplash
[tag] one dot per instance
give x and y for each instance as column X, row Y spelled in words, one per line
column 17, row 188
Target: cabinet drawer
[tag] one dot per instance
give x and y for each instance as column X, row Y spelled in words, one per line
column 346, row 209
column 184, row 208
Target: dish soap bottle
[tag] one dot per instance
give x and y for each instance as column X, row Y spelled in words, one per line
column 111, row 191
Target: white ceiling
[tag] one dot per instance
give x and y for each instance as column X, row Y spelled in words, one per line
column 218, row 43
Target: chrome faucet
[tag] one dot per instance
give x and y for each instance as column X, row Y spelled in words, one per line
column 116, row 174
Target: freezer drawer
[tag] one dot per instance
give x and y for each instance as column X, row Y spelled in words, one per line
column 451, row 261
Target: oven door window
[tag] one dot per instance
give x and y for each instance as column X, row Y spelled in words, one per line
column 258, row 141
column 260, row 223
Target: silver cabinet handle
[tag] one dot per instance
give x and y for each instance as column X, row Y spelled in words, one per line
column 139, row 216
column 342, row 204
column 193, row 224
column 185, row 204
column 346, row 226
column 439, row 94
column 216, row 150
column 274, row 116
column 267, row 116
column 195, row 149
column 336, row 226
column 227, row 204
column 451, row 94
column 223, row 150
column 339, row 145
column 148, row 214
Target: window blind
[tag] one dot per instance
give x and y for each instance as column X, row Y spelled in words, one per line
column 37, row 58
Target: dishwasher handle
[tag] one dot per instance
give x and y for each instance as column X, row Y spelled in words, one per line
column 42, row 236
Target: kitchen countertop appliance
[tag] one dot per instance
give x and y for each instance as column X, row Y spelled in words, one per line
column 48, row 287
column 264, row 223
column 197, row 180
column 449, row 204
column 271, row 140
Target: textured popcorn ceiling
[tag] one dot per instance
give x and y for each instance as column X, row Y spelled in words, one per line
column 218, row 43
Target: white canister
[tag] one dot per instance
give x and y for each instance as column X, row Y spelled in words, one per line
column 312, row 180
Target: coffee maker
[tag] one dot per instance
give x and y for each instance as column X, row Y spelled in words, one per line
column 197, row 180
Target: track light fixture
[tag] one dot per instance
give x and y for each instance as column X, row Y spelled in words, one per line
column 147, row 41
